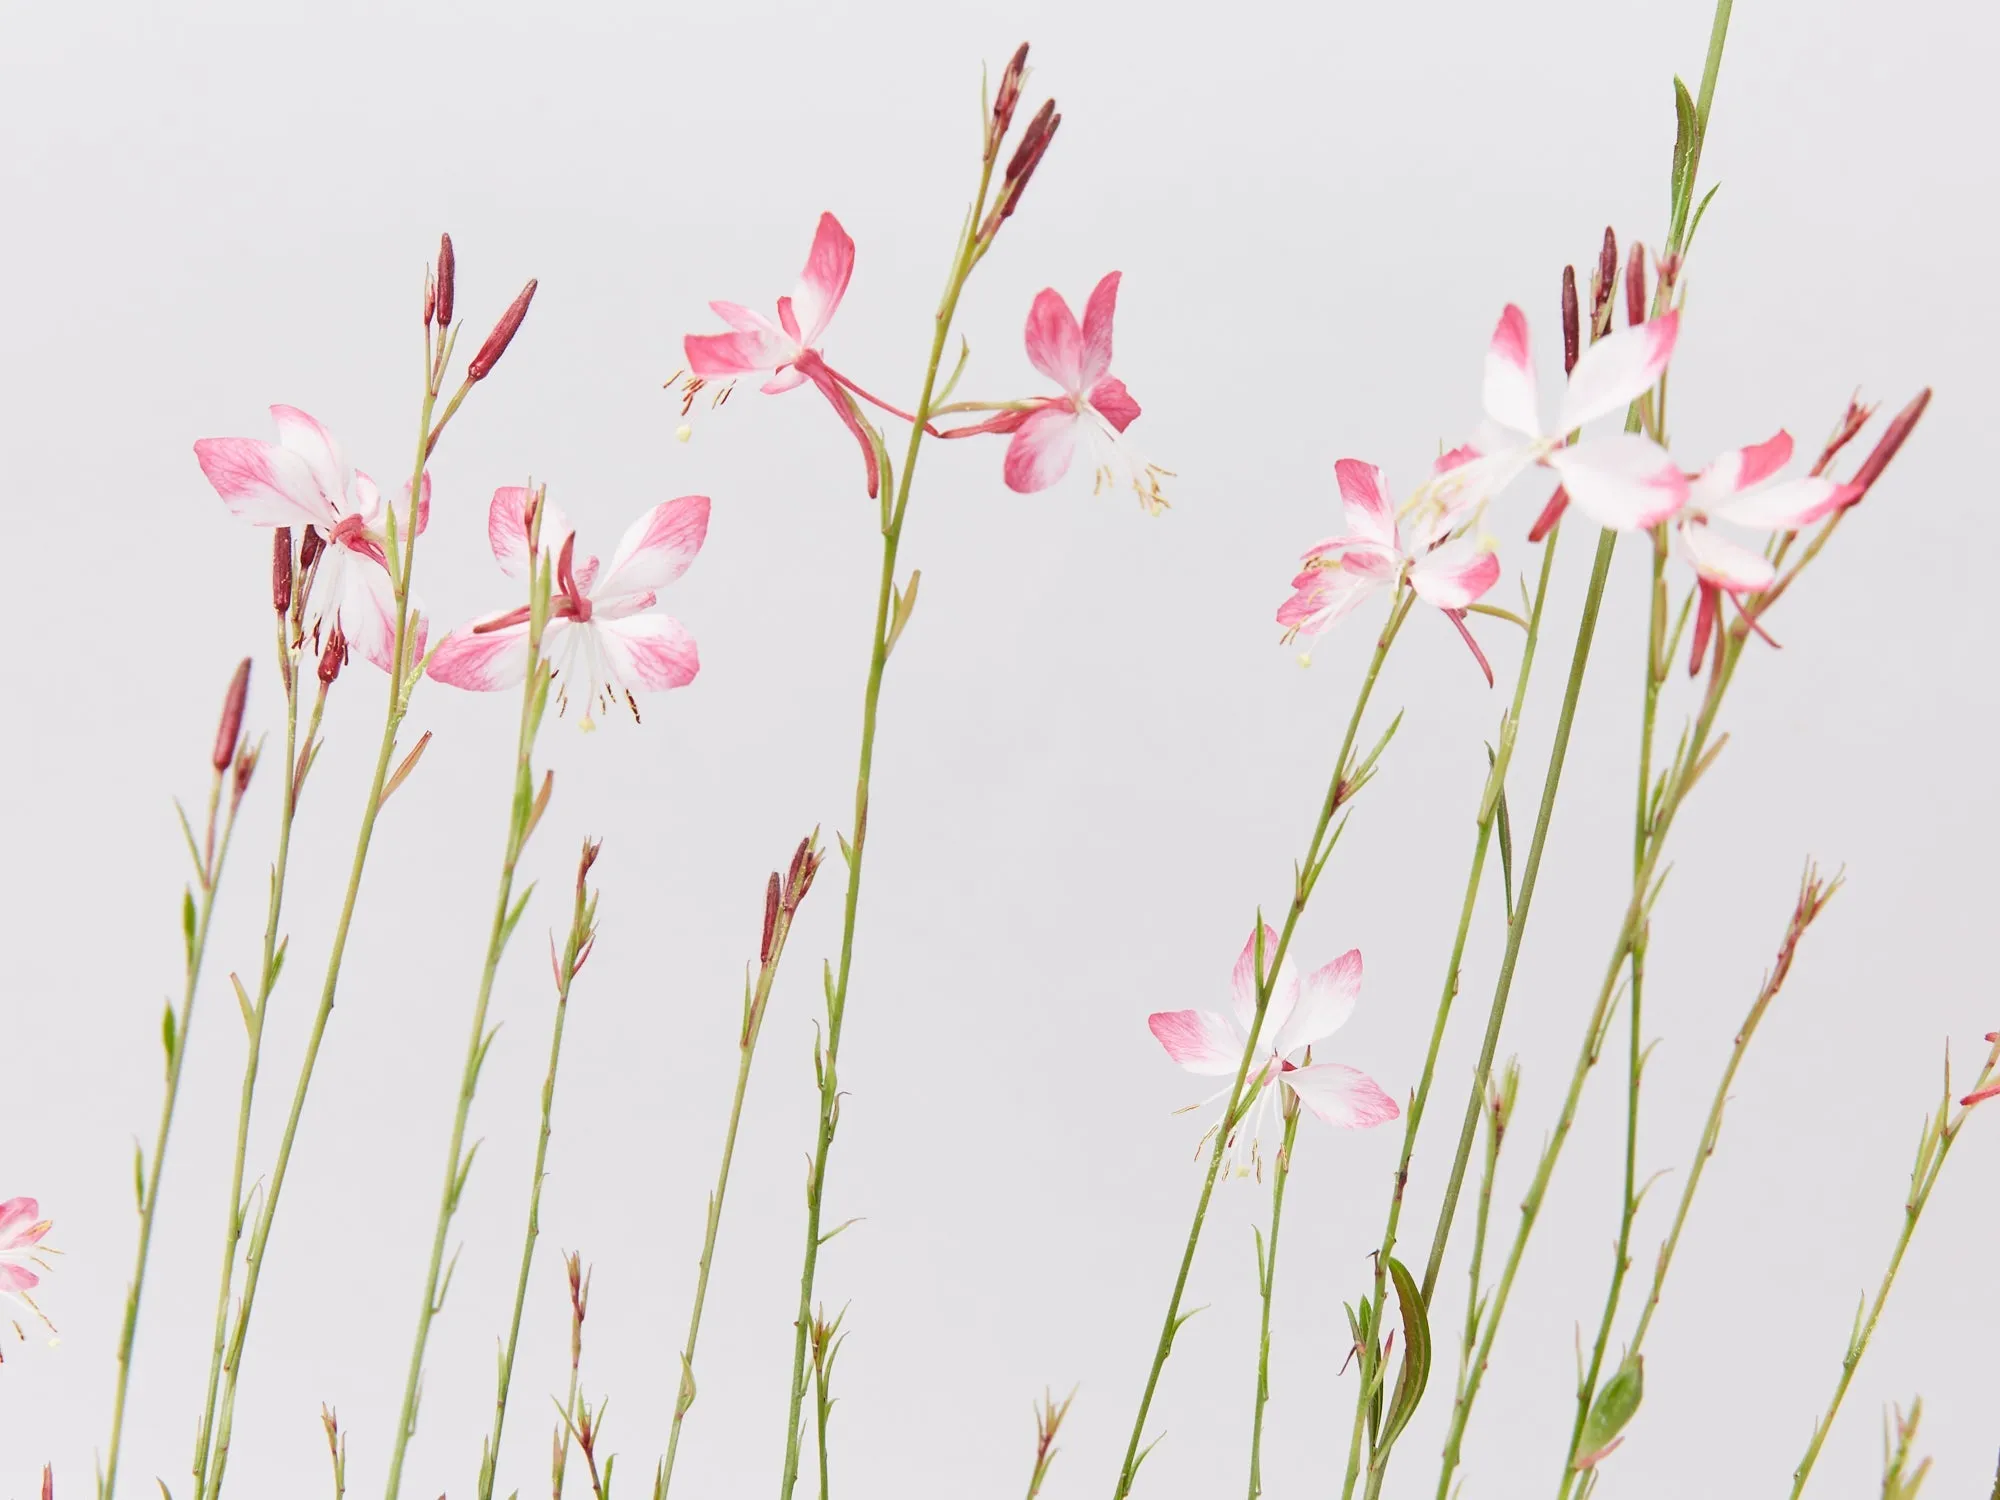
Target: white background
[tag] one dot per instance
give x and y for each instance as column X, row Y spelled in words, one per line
column 1095, row 759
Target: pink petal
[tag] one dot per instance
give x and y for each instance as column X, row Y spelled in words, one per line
column 263, row 483
column 1365, row 498
column 1199, row 1040
column 1040, row 450
column 1326, row 1000
column 1097, row 314
column 1324, row 597
column 1456, row 458
column 657, row 548
column 423, row 503
column 1055, row 343
column 1724, row 563
column 320, row 449
column 18, row 1279
column 742, row 319
column 715, row 356
column 1113, row 402
column 507, row 529
column 1454, row 575
column 1243, row 986
column 362, row 598
column 788, row 379
column 20, row 1223
column 1624, row 481
column 824, row 281
column 1741, row 468
column 649, row 652
column 1342, row 1096
column 1509, row 392
column 816, row 371
column 1616, row 370
column 483, row 661
column 1786, row 505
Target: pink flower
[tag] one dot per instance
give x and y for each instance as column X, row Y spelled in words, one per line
column 1624, row 481
column 1297, row 1016
column 788, row 350
column 1093, row 407
column 1745, row 487
column 21, row 1229
column 304, row 479
column 1342, row 571
column 600, row 645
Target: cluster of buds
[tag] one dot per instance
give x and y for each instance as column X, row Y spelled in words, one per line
column 1028, row 152
column 233, row 753
column 782, row 898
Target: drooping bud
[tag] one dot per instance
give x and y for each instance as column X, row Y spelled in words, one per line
column 447, row 282
column 281, row 570
column 333, row 658
column 1602, row 285
column 1886, row 447
column 1635, row 285
column 230, row 729
column 501, row 336
column 1005, row 100
column 310, row 547
column 773, row 896
column 1571, row 336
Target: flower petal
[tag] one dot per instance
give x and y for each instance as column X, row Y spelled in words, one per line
column 1040, row 451
column 1326, row 1000
column 743, row 319
column 20, row 1223
column 715, row 356
column 1097, row 315
column 15, row 1279
column 1365, row 498
column 649, row 652
column 1741, row 468
column 822, row 284
column 1616, row 370
column 1726, row 564
column 507, row 529
column 657, row 548
column 1785, row 505
column 1623, row 481
column 263, row 483
column 1455, row 574
column 1113, row 402
column 361, row 597
column 1323, row 597
column 1243, row 986
column 1342, row 1096
column 483, row 661
column 321, row 450
column 1055, row 343
column 1199, row 1040
column 1509, row 390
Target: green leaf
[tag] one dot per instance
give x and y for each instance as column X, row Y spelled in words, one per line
column 243, row 1004
column 1700, row 209
column 167, row 1034
column 1416, row 1371
column 139, row 1175
column 1687, row 144
column 187, row 925
column 1613, row 1408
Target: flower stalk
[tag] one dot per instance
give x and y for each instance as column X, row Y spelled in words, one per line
column 1267, row 1275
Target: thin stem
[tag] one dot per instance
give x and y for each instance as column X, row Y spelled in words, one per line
column 878, row 656
column 1267, row 1275
column 1339, row 790
column 523, row 809
column 576, row 950
column 1939, row 1135
column 1497, row 1111
column 288, row 661
column 209, row 877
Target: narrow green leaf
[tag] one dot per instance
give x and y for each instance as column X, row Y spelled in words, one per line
column 514, row 916
column 167, row 1033
column 1687, row 130
column 187, row 925
column 139, row 1175
column 243, row 1004
column 1700, row 209
column 1613, row 1408
column 1416, row 1371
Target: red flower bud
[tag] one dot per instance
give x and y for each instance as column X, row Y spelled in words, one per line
column 1008, row 96
column 281, row 570
column 447, row 280
column 501, row 336
column 310, row 547
column 772, row 897
column 333, row 658
column 1635, row 285
column 1886, row 446
column 430, row 296
column 230, row 729
column 1602, row 284
column 1028, row 156
column 1571, row 336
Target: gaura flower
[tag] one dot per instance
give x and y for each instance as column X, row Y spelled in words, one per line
column 1745, row 487
column 1623, row 481
column 1297, row 1016
column 21, row 1229
column 788, row 350
column 1341, row 571
column 599, row 643
column 1092, row 408
column 304, row 479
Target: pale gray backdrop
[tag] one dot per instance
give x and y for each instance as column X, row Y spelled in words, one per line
column 1095, row 759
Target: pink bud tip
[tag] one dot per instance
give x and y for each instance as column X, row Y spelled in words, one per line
column 1571, row 335
column 1551, row 513
column 447, row 281
column 1886, row 447
column 1635, row 286
column 1990, row 1091
column 281, row 569
column 230, row 729
column 1607, row 278
column 1009, row 94
column 501, row 336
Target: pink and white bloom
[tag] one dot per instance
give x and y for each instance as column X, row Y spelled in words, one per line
column 602, row 646
column 305, row 480
column 1746, row 487
column 21, row 1229
column 1092, row 409
column 1340, row 572
column 1212, row 1043
column 1624, row 481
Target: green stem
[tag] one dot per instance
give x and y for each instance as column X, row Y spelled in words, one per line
column 1496, row 1132
column 210, row 876
column 288, row 661
column 878, row 657
column 1306, row 876
column 523, row 810
column 1267, row 1275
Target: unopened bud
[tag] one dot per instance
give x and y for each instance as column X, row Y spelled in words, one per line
column 281, row 570
column 1008, row 97
column 1635, row 285
column 333, row 658
column 1571, row 335
column 246, row 767
column 1019, row 185
column 799, row 856
column 1886, row 447
column 310, row 547
column 430, row 296
column 772, row 897
column 230, row 729
column 590, row 851
column 447, row 282
column 1033, row 141
column 501, row 336
column 1602, row 285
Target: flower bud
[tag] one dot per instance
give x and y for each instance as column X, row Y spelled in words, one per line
column 1635, row 285
column 1602, row 285
column 430, row 296
column 246, row 767
column 310, row 547
column 501, row 336
column 447, row 281
column 1026, row 159
column 1007, row 98
column 1571, row 337
column 333, row 658
column 1900, row 427
column 772, row 897
column 230, row 729
column 281, row 570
